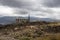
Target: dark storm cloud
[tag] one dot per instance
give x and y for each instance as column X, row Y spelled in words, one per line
column 34, row 7
column 51, row 3
column 20, row 4
column 15, row 3
column 10, row 3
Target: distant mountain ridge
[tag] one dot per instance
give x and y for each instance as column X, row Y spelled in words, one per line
column 7, row 19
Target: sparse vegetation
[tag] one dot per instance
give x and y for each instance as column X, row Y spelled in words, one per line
column 31, row 31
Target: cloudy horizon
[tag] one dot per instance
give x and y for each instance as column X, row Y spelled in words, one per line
column 38, row 8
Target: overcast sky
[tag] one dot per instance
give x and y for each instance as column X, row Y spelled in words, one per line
column 37, row 8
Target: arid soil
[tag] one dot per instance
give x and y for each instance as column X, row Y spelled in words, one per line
column 30, row 32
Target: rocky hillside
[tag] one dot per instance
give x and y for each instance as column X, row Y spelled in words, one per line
column 30, row 31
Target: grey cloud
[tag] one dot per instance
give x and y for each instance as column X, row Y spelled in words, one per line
column 21, row 4
column 51, row 3
column 16, row 3
column 25, row 4
column 10, row 3
column 21, row 11
column 30, row 6
column 48, row 11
